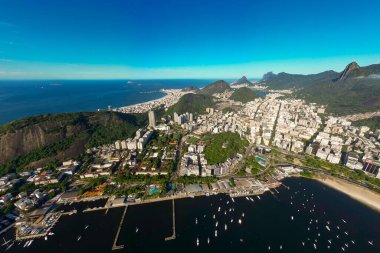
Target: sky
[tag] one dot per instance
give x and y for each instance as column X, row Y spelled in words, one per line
column 145, row 39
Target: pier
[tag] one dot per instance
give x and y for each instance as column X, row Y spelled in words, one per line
column 172, row 237
column 115, row 246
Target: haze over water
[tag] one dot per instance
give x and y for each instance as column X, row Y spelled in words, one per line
column 266, row 222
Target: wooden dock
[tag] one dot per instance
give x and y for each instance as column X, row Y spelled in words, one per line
column 115, row 246
column 172, row 237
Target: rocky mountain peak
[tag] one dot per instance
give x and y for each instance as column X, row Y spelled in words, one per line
column 349, row 68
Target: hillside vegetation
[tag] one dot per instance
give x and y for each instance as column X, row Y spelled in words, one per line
column 355, row 90
column 244, row 95
column 45, row 138
column 220, row 147
column 372, row 123
column 215, row 87
column 192, row 103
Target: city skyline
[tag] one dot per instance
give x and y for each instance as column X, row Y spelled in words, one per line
column 186, row 39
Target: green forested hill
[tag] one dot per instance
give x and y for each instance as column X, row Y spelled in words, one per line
column 355, row 90
column 192, row 103
column 215, row 87
column 244, row 95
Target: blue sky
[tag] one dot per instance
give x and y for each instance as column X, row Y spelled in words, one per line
column 70, row 39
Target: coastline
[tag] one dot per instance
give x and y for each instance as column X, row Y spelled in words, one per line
column 360, row 194
column 147, row 102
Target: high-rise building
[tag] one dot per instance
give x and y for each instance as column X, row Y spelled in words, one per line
column 152, row 119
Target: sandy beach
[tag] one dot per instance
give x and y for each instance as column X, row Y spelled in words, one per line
column 363, row 195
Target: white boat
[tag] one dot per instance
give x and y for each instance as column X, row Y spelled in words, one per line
column 268, row 247
column 370, row 242
column 232, row 220
column 327, row 227
column 292, row 218
column 315, row 246
column 213, row 216
column 280, row 247
column 246, row 198
column 208, row 240
column 225, row 226
column 196, row 220
column 344, row 221
column 225, row 212
column 258, row 197
column 26, row 243
column 329, row 241
column 218, row 209
column 239, row 221
column 303, row 244
column 242, row 215
column 137, row 229
column 346, row 245
column 30, row 243
column 197, row 242
column 216, row 224
column 233, row 200
column 216, row 233
column 46, row 238
column 342, row 248
column 353, row 242
column 79, row 237
column 346, row 232
column 86, row 227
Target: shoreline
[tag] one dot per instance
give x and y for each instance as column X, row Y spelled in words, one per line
column 358, row 193
column 146, row 102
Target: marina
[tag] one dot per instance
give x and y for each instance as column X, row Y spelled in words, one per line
column 236, row 226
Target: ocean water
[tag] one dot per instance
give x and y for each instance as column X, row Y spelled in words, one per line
column 20, row 99
column 266, row 223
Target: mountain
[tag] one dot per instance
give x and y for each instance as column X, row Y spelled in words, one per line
column 241, row 81
column 43, row 138
column 354, row 90
column 244, row 95
column 192, row 103
column 287, row 81
column 215, row 87
column 347, row 71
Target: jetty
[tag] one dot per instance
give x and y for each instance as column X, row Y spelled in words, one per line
column 172, row 237
column 115, row 246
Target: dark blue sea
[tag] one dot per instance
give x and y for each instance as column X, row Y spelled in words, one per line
column 266, row 225
column 19, row 99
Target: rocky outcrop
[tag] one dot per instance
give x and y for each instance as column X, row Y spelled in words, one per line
column 15, row 142
column 346, row 72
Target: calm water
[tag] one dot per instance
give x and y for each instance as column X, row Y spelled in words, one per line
column 20, row 99
column 266, row 222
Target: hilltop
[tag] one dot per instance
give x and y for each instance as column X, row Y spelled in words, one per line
column 192, row 103
column 241, row 81
column 215, row 87
column 244, row 95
